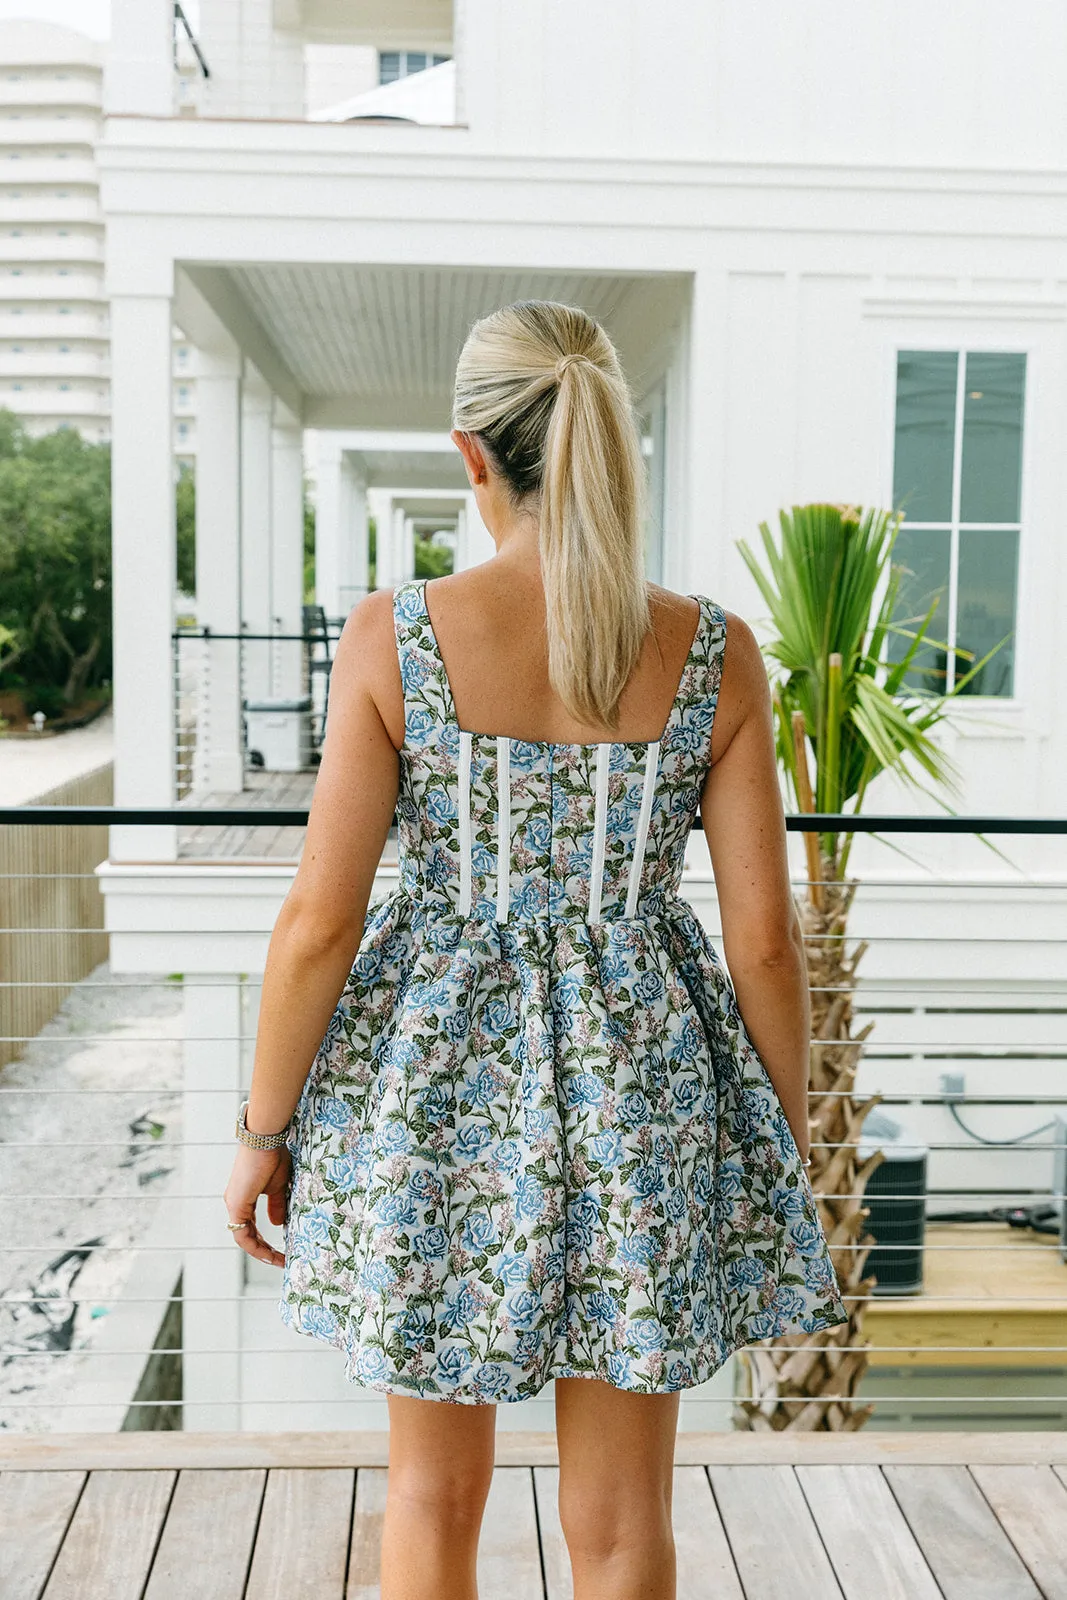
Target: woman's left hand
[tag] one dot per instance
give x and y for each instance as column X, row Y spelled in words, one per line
column 257, row 1172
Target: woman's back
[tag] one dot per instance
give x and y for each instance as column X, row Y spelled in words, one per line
column 490, row 624
column 499, row 825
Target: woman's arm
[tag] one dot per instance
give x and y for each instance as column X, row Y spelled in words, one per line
column 741, row 810
column 320, row 924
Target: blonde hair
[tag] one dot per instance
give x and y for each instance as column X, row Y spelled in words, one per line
column 541, row 386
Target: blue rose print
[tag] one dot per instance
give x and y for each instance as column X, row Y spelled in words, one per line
column 471, row 1140
column 529, row 1198
column 568, row 1111
column 431, row 1244
column 479, row 1231
column 607, row 1148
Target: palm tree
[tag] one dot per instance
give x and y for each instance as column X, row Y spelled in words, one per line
column 832, row 590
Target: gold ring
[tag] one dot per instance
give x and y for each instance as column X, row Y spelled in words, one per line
column 235, row 1227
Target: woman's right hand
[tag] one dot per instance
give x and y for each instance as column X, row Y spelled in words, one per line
column 257, row 1172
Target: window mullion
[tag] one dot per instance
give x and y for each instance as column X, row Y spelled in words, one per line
column 954, row 533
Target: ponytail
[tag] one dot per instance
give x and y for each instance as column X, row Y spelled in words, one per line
column 541, row 386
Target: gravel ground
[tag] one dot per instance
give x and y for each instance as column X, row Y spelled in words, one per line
column 71, row 1217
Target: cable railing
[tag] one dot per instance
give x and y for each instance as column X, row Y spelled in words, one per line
column 248, row 701
column 123, row 1303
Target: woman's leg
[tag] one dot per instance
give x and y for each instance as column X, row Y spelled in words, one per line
column 616, row 1455
column 440, row 1466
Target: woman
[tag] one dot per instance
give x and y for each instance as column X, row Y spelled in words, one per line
column 543, row 1136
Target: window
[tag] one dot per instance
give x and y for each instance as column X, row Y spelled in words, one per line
column 957, row 478
column 394, row 64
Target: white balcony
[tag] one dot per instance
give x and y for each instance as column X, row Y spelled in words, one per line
column 38, row 245
column 74, row 91
column 94, row 429
column 76, row 327
column 24, row 207
column 52, row 364
column 36, row 283
column 35, row 399
column 18, row 168
column 77, row 128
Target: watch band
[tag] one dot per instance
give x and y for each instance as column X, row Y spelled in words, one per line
column 258, row 1141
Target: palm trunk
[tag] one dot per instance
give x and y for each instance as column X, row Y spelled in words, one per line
column 790, row 1377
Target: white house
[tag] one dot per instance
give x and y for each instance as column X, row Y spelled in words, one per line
column 831, row 244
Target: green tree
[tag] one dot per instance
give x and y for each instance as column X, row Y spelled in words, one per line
column 309, row 548
column 847, row 715
column 55, row 562
column 185, row 528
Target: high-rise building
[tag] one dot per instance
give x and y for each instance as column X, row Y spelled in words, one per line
column 54, row 352
column 53, row 315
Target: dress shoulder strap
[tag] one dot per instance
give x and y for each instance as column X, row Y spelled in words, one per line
column 698, row 691
column 427, row 696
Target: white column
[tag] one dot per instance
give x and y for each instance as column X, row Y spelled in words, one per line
column 256, row 510
column 143, row 565
column 329, row 528
column 477, row 541
column 219, row 763
column 695, row 495
column 395, row 560
column 287, row 555
column 212, row 1278
column 355, row 545
column 139, row 69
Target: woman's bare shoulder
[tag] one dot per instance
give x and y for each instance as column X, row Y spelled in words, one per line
column 366, row 660
column 744, row 689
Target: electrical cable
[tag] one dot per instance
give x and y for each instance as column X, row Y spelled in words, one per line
column 980, row 1138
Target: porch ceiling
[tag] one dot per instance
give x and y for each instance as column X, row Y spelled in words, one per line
column 376, row 346
column 412, row 469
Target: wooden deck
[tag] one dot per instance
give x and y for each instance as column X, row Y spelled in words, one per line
column 989, row 1299
column 757, row 1517
column 280, row 791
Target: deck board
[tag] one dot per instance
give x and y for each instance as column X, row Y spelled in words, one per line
column 752, row 1500
column 215, row 1514
column 970, row 1555
column 366, row 1535
column 555, row 1562
column 35, row 1510
column 1030, row 1503
column 871, row 1548
column 509, row 1563
column 302, row 1543
column 112, row 1537
column 706, row 1569
column 262, row 1517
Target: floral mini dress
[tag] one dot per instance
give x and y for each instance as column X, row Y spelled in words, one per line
column 536, row 1141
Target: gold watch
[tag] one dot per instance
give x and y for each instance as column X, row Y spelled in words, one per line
column 259, row 1141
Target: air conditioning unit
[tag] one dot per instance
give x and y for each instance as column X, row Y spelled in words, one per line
column 896, row 1196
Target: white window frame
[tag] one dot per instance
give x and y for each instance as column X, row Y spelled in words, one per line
column 965, row 339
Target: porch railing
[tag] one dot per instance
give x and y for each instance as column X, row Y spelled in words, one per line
column 123, row 1304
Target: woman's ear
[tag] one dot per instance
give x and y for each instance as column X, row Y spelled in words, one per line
column 473, row 455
